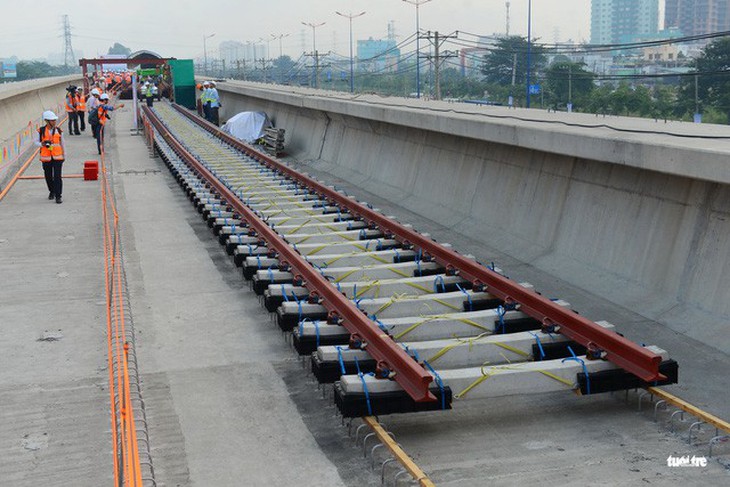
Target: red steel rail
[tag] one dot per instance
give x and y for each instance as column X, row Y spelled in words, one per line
column 604, row 343
column 389, row 355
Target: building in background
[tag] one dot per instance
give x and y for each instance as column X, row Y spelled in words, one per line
column 697, row 17
column 378, row 55
column 231, row 51
column 622, row 21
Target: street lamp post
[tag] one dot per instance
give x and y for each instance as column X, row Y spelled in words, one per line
column 351, row 16
column 314, row 49
column 529, row 48
column 205, row 53
column 418, row 3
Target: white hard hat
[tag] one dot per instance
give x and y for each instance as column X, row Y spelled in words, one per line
column 94, row 91
column 212, row 83
column 104, row 96
column 146, row 83
column 49, row 115
column 206, row 83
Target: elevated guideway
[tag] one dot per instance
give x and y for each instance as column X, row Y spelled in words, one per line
column 636, row 210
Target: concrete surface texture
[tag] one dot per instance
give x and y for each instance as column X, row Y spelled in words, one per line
column 648, row 240
column 54, row 399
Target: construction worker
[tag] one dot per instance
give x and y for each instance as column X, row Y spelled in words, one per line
column 50, row 140
column 103, row 117
column 148, row 95
column 81, row 107
column 70, row 105
column 215, row 103
column 204, row 100
column 93, row 104
column 199, row 101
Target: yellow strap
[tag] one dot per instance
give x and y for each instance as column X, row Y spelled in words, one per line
column 346, row 275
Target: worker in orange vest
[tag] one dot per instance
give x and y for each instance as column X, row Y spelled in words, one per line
column 81, row 107
column 103, row 115
column 50, row 140
column 70, row 105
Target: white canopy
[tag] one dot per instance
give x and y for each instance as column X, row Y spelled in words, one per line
column 247, row 126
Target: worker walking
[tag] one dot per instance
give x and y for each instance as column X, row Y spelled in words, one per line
column 81, row 108
column 102, row 114
column 148, row 94
column 52, row 154
column 70, row 105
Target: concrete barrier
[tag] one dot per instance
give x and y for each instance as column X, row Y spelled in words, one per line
column 25, row 101
column 615, row 206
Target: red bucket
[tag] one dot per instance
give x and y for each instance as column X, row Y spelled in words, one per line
column 91, row 170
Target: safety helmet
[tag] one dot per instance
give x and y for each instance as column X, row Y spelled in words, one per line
column 104, row 96
column 146, row 83
column 206, row 83
column 49, row 115
column 212, row 83
column 95, row 92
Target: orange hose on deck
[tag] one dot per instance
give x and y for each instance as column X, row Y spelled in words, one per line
column 127, row 467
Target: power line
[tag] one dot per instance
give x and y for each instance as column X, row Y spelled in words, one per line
column 69, row 58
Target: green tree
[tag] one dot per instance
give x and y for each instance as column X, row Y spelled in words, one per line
column 713, row 84
column 497, row 65
column 38, row 69
column 118, row 48
column 565, row 79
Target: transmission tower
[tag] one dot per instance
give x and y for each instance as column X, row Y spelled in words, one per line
column 506, row 4
column 69, row 57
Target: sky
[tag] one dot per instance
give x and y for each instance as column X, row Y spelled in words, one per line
column 176, row 28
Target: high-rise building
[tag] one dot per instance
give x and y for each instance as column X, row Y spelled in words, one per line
column 620, row 21
column 231, row 51
column 696, row 17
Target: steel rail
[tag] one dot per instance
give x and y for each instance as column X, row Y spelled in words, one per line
column 606, row 344
column 390, row 356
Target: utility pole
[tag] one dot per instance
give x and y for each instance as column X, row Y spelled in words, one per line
column 439, row 57
column 506, row 30
column 511, row 100
column 570, row 88
column 68, row 58
column 529, row 48
column 351, row 16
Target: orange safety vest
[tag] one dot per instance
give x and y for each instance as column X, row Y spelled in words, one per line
column 55, row 152
column 72, row 106
column 81, row 103
column 102, row 115
column 118, row 79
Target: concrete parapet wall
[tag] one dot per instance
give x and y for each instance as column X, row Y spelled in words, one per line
column 651, row 240
column 25, row 101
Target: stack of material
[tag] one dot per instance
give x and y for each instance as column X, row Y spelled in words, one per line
column 273, row 141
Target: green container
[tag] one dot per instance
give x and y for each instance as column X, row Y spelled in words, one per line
column 183, row 81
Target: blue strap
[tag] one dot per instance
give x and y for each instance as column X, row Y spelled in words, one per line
column 258, row 260
column 363, row 234
column 379, row 245
column 271, row 275
column 233, row 228
column 583, row 364
column 380, row 324
column 539, row 345
column 418, row 268
column 339, row 359
column 439, row 382
column 365, row 386
column 349, row 225
column 354, row 289
column 250, row 249
column 283, row 293
column 299, row 304
column 501, row 311
column 439, row 279
column 397, row 256
column 468, row 297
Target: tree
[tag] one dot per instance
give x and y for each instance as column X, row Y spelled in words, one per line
column 713, row 84
column 37, row 69
column 118, row 48
column 498, row 64
column 564, row 76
